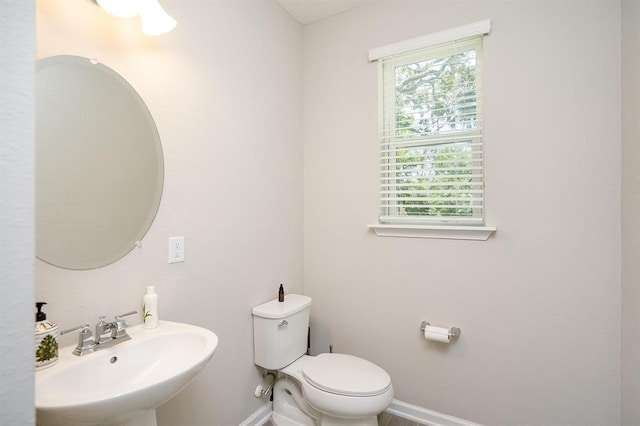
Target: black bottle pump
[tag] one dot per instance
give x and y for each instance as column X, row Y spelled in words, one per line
column 40, row 316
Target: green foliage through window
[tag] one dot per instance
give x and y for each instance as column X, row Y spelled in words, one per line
column 436, row 96
column 435, row 180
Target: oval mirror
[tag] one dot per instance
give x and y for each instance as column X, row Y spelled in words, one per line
column 99, row 164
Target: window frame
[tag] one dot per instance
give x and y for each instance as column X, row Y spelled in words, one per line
column 426, row 226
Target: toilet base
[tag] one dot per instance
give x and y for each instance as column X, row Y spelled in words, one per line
column 290, row 409
column 287, row 401
column 282, row 420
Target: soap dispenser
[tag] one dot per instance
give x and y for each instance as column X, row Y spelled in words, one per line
column 46, row 348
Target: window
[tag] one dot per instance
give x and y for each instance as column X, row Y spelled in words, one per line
column 431, row 139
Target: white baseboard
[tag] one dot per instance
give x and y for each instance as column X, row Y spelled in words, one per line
column 424, row 416
column 261, row 416
column 397, row 408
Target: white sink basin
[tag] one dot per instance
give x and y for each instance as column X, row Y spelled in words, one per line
column 123, row 384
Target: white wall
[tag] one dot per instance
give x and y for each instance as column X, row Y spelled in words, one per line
column 225, row 90
column 630, row 212
column 17, row 100
column 538, row 303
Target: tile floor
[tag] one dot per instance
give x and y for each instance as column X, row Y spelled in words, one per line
column 387, row 419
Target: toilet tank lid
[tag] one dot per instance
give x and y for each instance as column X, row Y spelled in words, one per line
column 293, row 303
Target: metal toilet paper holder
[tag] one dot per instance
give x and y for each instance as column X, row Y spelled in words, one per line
column 454, row 332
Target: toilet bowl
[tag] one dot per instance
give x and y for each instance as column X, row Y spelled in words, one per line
column 328, row 389
column 342, row 386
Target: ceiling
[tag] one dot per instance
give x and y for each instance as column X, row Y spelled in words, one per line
column 308, row 11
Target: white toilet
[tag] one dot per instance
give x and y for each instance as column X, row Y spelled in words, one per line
column 328, row 389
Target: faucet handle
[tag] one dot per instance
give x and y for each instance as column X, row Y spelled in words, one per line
column 84, row 328
column 119, row 317
column 85, row 342
column 121, row 324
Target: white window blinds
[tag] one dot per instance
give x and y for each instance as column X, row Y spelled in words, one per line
column 431, row 165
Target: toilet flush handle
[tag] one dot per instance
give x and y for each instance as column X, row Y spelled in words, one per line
column 283, row 324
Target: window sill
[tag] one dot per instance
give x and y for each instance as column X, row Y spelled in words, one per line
column 478, row 233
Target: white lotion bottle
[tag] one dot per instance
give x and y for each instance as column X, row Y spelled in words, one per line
column 150, row 308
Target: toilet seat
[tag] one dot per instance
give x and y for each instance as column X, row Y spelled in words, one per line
column 346, row 375
column 350, row 397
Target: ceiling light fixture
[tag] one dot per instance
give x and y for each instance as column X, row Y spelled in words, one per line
column 119, row 8
column 155, row 20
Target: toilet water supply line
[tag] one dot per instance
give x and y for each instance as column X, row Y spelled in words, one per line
column 260, row 390
column 301, row 403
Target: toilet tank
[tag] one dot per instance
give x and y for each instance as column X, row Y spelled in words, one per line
column 280, row 331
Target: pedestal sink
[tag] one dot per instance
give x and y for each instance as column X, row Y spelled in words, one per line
column 122, row 385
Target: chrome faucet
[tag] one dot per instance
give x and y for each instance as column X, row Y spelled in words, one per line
column 101, row 328
column 107, row 334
